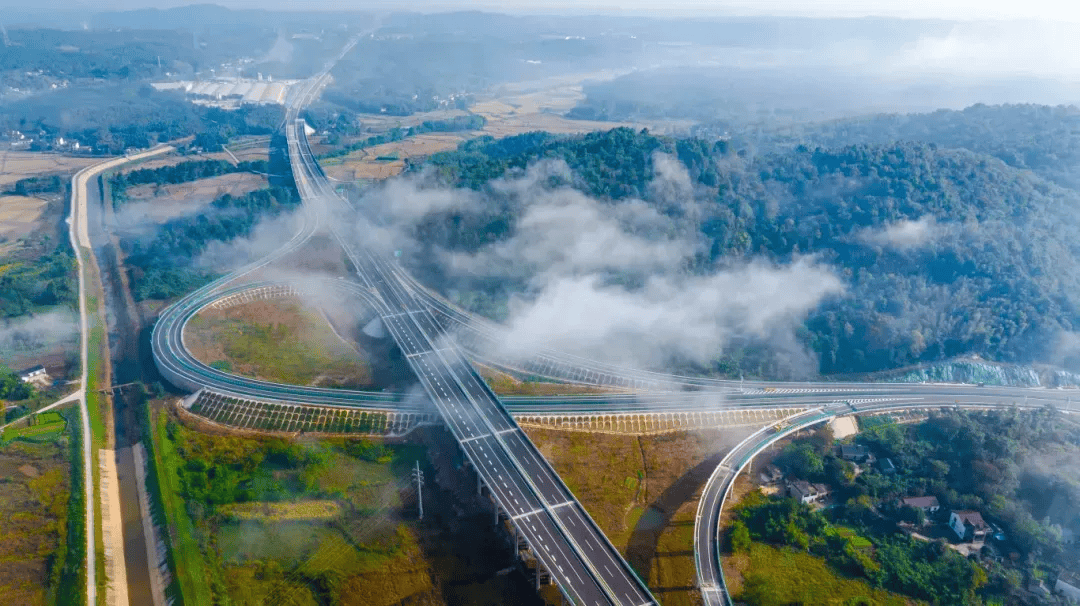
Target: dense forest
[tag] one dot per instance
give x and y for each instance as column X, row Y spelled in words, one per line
column 934, row 243
column 1041, row 138
column 162, row 267
column 996, row 463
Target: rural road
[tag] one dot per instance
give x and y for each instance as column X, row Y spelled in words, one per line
column 79, row 233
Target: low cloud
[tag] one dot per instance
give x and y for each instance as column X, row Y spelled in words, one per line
column 266, row 237
column 29, row 334
column 693, row 317
column 903, row 235
column 563, row 232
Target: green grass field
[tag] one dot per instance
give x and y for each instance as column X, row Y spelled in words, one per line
column 298, row 348
column 774, row 577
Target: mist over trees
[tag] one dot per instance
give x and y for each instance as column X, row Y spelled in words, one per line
column 943, row 251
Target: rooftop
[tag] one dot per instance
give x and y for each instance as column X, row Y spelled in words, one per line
column 972, row 517
column 921, row 502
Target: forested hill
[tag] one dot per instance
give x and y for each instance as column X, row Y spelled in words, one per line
column 1038, row 137
column 944, row 251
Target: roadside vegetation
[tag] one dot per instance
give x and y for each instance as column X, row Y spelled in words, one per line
column 314, row 522
column 280, row 340
column 41, row 537
column 786, row 576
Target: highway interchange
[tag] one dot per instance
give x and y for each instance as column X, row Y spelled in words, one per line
column 438, row 339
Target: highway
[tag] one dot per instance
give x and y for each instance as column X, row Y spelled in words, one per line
column 581, row 561
column 438, row 340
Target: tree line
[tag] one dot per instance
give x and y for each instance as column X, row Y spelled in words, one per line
column 182, row 172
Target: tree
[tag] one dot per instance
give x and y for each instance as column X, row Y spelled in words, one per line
column 740, row 537
column 803, row 461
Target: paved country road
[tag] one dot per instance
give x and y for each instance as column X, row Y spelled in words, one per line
column 79, row 233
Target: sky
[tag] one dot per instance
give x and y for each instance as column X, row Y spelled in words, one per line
column 1043, row 10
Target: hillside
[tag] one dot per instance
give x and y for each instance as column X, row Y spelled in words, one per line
column 941, row 251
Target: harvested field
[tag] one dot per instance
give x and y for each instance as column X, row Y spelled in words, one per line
column 526, row 113
column 278, row 340
column 643, row 492
column 19, row 215
column 33, row 517
column 153, row 204
column 376, row 163
column 15, row 165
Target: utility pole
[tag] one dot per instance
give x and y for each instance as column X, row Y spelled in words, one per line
column 419, row 477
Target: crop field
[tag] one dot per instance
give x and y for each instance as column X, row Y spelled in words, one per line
column 34, row 490
column 386, row 160
column 642, row 491
column 322, row 522
column 289, row 511
column 19, row 216
column 16, row 165
column 278, row 340
column 44, row 427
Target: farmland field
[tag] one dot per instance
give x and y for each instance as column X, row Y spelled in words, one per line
column 34, row 491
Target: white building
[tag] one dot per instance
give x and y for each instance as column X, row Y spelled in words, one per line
column 34, row 374
column 807, row 492
column 968, row 525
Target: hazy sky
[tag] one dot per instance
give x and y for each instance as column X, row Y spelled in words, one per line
column 1055, row 10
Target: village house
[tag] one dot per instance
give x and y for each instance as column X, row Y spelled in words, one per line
column 968, row 525
column 927, row 504
column 771, row 474
column 886, row 466
column 807, row 492
column 1068, row 585
column 34, row 374
column 856, row 453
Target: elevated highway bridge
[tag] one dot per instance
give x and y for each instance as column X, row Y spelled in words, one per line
column 439, row 340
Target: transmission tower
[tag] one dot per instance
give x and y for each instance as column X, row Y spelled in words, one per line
column 418, row 476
